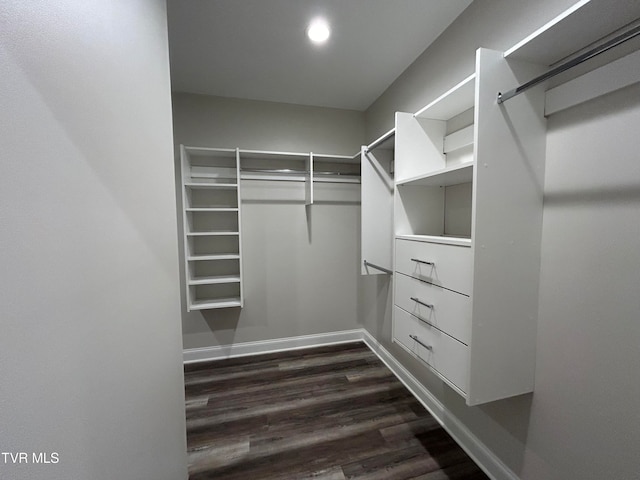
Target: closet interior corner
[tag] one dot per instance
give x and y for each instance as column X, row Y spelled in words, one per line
column 451, row 205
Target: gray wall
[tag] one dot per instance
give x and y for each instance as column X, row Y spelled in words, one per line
column 90, row 352
column 496, row 24
column 301, row 271
column 581, row 421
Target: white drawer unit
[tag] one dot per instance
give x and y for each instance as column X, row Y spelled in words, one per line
column 446, row 310
column 446, row 356
column 447, row 266
column 468, row 219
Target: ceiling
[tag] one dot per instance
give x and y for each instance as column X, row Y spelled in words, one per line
column 257, row 49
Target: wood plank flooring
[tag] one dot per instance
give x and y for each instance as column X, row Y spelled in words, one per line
column 327, row 413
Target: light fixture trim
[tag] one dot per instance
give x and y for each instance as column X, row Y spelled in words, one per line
column 318, row 31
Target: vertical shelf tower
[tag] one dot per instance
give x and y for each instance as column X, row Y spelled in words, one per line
column 468, row 219
column 212, row 227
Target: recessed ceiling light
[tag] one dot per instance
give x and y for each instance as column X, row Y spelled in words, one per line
column 318, row 31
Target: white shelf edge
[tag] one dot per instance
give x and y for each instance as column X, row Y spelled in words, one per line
column 230, row 186
column 328, row 157
column 553, row 22
column 196, row 150
column 460, row 139
column 222, row 256
column 329, row 179
column 451, row 91
column 215, row 280
column 212, row 234
column 274, row 153
column 381, row 139
column 210, row 209
column 460, row 241
column 217, row 303
column 297, row 178
column 442, row 174
column 211, row 175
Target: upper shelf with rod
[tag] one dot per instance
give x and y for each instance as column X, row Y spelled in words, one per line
column 578, row 35
column 575, row 29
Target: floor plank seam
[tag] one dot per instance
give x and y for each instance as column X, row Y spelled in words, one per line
column 327, row 413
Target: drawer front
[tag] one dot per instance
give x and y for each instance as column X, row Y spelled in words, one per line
column 450, row 264
column 449, row 311
column 446, row 356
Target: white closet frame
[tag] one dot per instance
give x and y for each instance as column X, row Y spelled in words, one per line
column 489, row 276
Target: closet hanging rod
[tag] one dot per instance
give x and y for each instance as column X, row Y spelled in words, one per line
column 614, row 42
column 381, row 139
column 377, row 267
column 289, row 171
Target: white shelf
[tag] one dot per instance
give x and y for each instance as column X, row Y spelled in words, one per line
column 215, row 279
column 211, row 209
column 212, row 175
column 329, row 158
column 207, row 185
column 460, row 139
column 210, row 152
column 453, row 175
column 584, row 23
column 212, row 227
column 460, row 241
column 212, row 234
column 217, row 303
column 451, row 103
column 217, row 256
column 273, row 155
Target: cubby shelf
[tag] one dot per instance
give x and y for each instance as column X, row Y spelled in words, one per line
column 211, row 209
column 445, row 177
column 203, row 185
column 211, row 234
column 212, row 227
column 217, row 256
column 217, row 303
column 216, row 279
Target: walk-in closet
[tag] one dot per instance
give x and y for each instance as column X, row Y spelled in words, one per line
column 341, row 240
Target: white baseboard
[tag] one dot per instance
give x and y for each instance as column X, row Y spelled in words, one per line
column 270, row 346
column 491, row 464
column 480, row 454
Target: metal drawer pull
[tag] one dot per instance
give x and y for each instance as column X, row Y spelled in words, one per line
column 422, row 261
column 428, row 347
column 421, row 302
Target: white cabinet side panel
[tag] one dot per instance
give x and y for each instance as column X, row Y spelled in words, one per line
column 239, row 200
column 377, row 210
column 508, row 179
column 419, row 145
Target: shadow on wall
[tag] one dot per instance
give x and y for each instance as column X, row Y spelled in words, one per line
column 222, row 324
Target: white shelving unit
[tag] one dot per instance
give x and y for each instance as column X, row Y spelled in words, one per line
column 468, row 216
column 307, row 167
column 212, row 227
column 211, row 199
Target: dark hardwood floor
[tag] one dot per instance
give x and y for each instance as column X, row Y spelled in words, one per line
column 327, row 413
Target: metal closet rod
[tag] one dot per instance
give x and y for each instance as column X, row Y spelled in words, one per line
column 614, row 42
column 377, row 267
column 290, row 171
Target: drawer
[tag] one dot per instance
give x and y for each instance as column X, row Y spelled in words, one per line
column 450, row 265
column 449, row 312
column 447, row 356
